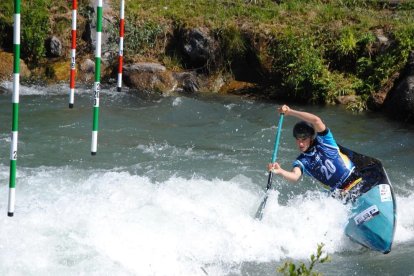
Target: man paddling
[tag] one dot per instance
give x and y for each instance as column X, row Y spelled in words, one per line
column 320, row 157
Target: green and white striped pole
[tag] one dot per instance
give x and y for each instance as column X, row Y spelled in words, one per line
column 15, row 107
column 97, row 84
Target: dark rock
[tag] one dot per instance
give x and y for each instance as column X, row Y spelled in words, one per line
column 187, row 82
column 399, row 103
column 53, row 47
column 199, row 48
column 89, row 33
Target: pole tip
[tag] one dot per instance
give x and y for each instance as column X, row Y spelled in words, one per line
column 119, row 89
column 10, row 214
column 93, row 153
column 70, row 105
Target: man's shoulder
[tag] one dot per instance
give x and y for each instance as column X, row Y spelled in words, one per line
column 324, row 132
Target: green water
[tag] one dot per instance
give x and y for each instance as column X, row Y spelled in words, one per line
column 175, row 184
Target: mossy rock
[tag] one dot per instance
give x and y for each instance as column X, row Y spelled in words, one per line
column 6, row 70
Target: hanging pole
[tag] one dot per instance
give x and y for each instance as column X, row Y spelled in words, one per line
column 15, row 107
column 97, row 84
column 73, row 55
column 121, row 44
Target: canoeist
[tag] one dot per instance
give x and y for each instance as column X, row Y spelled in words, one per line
column 320, row 157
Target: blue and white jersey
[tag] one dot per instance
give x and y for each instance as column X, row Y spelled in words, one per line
column 324, row 161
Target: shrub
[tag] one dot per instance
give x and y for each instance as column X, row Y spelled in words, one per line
column 291, row 269
column 141, row 38
column 34, row 31
column 301, row 66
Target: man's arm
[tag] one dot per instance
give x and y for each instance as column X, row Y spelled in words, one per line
column 292, row 176
column 305, row 116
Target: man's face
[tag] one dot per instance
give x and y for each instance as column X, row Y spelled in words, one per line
column 303, row 143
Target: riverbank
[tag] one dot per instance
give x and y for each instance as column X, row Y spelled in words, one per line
column 350, row 53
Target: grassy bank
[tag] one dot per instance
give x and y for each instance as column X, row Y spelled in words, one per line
column 314, row 50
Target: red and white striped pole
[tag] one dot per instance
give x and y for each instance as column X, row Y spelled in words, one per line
column 73, row 55
column 121, row 44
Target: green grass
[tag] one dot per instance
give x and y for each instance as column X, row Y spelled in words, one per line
column 317, row 49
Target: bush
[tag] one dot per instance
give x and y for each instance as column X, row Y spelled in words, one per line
column 291, row 269
column 6, row 24
column 141, row 38
column 34, row 31
column 301, row 66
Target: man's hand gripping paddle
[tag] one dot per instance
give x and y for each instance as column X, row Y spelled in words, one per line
column 259, row 213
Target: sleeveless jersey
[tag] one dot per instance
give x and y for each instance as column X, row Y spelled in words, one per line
column 325, row 162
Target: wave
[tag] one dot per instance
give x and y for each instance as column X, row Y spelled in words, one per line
column 55, row 89
column 73, row 220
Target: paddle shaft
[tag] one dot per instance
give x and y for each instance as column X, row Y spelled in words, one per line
column 275, row 149
column 259, row 213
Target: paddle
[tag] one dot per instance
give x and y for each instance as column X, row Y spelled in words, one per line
column 259, row 213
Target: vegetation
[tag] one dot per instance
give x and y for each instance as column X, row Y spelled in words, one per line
column 301, row 269
column 315, row 50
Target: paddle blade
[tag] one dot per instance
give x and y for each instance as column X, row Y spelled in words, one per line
column 260, row 211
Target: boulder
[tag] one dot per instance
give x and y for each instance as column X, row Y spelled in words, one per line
column 199, row 48
column 6, row 68
column 399, row 102
column 149, row 77
column 53, row 47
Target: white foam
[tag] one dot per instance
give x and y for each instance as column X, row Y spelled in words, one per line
column 56, row 89
column 77, row 221
column 177, row 101
column 405, row 219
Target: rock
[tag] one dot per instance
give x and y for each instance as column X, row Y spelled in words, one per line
column 346, row 99
column 199, row 48
column 187, row 82
column 399, row 103
column 376, row 100
column 382, row 42
column 61, row 70
column 149, row 77
column 87, row 71
column 148, row 67
column 235, row 87
column 53, row 47
column 89, row 33
column 6, row 68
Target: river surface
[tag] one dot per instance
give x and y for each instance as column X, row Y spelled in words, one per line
column 175, row 185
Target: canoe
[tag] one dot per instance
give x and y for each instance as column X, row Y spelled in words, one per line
column 373, row 214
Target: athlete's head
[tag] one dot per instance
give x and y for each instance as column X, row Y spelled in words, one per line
column 304, row 134
column 303, row 130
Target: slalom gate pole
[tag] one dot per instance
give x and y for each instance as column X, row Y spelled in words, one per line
column 121, row 44
column 15, row 107
column 97, row 84
column 73, row 55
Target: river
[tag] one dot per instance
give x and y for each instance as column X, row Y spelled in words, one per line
column 175, row 185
